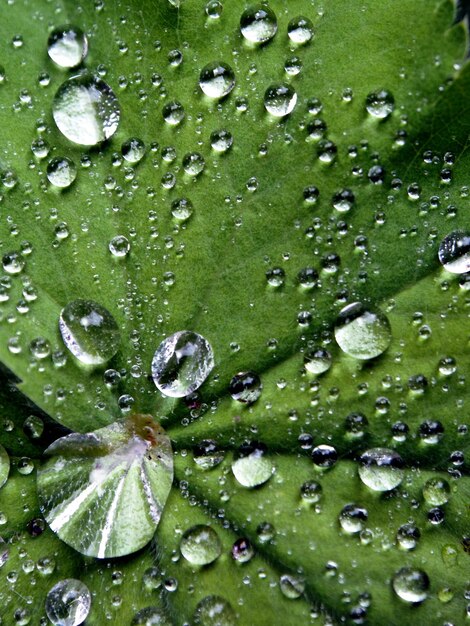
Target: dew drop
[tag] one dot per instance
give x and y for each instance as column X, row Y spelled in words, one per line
column 411, row 584
column 214, row 611
column 380, row 104
column 13, row 262
column 119, row 246
column 343, row 200
column 68, row 603
column 324, row 456
column 133, row 150
column 408, row 536
column 300, row 30
column 61, row 172
column 182, row 363
column 436, row 491
column 33, row 427
column 311, row 492
column 182, row 209
column 381, row 469
column 221, row 140
column 67, row 46
column 207, row 454
column 258, row 24
column 150, row 616
column 245, row 387
column 200, row 545
column 193, row 163
column 280, row 100
column 361, row 333
column 292, row 587
column 353, row 518
column 317, row 360
column 173, row 113
column 252, row 468
column 4, row 466
column 242, row 550
column 454, row 252
column 89, row 331
column 217, row 80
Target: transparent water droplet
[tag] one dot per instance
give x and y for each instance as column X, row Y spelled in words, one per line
column 352, row 518
column 182, row 209
column 86, row 110
column 13, row 262
column 245, row 387
column 133, row 150
column 324, row 456
column 381, row 469
column 258, row 24
column 173, row 113
column 311, row 492
column 193, row 163
column 67, row 46
column 431, row 431
column 214, row 611
column 380, row 104
column 300, row 30
column 214, row 9
column 280, row 100
column 221, row 140
column 40, row 347
column 317, row 360
column 89, row 331
column 4, row 466
column 411, row 584
column 408, row 536
column 217, row 80
column 362, row 333
column 182, row 363
column 33, row 427
column 151, row 616
column 252, row 467
column 436, row 491
column 292, row 587
column 68, row 602
column 454, row 252
column 200, row 545
column 242, row 550
column 275, row 277
column 119, row 246
column 343, row 200
column 207, row 454
column 61, row 172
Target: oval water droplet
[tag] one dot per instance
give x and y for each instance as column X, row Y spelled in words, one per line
column 252, row 467
column 454, row 252
column 245, row 387
column 408, row 536
column 200, row 545
column 151, row 616
column 258, row 24
column 61, row 172
column 221, row 140
column 381, row 469
column 182, row 209
column 86, row 110
column 89, row 331
column 217, row 80
column 280, row 100
column 68, row 602
column 13, row 262
column 242, row 550
column 182, row 363
column 67, row 46
column 361, row 333
column 380, row 104
column 4, row 466
column 173, row 113
column 411, row 584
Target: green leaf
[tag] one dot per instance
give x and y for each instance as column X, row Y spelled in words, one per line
column 257, row 248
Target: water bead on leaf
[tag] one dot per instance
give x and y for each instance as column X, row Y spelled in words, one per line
column 408, row 536
column 119, row 246
column 4, row 466
column 361, row 333
column 181, row 363
column 61, row 172
column 200, row 545
column 68, row 603
column 89, row 331
column 207, row 454
column 280, row 100
column 324, row 456
column 410, row 584
column 13, row 262
column 221, row 140
column 242, row 550
column 380, row 104
column 352, row 518
column 245, row 387
column 214, row 611
column 454, row 252
column 67, row 46
column 86, row 110
column 258, row 24
column 252, row 468
column 133, row 150
column 151, row 616
column 381, row 469
column 300, row 30
column 193, row 163
column 317, row 360
column 292, row 587
column 436, row 491
column 173, row 113
column 217, row 80
column 182, row 209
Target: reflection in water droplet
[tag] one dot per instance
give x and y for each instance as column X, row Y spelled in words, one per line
column 300, row 30
column 33, row 427
column 86, row 110
column 381, row 469
column 361, row 333
column 182, row 363
column 311, row 492
column 200, row 545
column 317, row 360
column 214, row 611
column 436, row 491
column 173, row 113
column 324, row 456
column 119, row 246
column 151, row 616
column 4, row 465
column 207, row 454
column 61, row 172
column 352, row 518
column 258, row 24
column 67, row 46
column 217, row 80
column 292, row 587
column 89, row 331
column 193, row 163
column 182, row 209
column 408, row 536
column 133, row 150
column 68, row 603
column 221, row 140
column 380, row 104
column 411, row 584
column 280, row 100
column 245, row 387
column 454, row 252
column 13, row 262
column 252, row 468
column 242, row 550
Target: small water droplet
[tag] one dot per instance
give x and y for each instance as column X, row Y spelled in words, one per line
column 4, row 466
column 311, row 492
column 217, row 80
column 436, row 491
column 353, row 518
column 151, row 616
column 119, row 246
column 408, row 536
column 324, row 456
column 380, row 104
column 242, row 550
column 173, row 113
column 317, row 360
column 381, row 469
column 300, row 30
column 13, row 262
column 221, row 140
column 207, row 454
column 454, row 252
column 200, row 545
column 68, row 603
column 280, row 100
column 61, row 172
column 133, row 150
column 214, row 611
column 182, row 209
column 361, row 333
column 292, row 587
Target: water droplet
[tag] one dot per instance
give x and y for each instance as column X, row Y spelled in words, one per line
column 221, row 140
column 4, row 466
column 119, row 246
column 361, row 333
column 67, row 46
column 408, row 536
column 214, row 9
column 193, row 163
column 411, row 584
column 431, row 431
column 311, row 492
column 275, row 277
column 207, row 454
column 133, row 150
column 89, row 331
column 13, row 262
column 280, row 100
column 380, row 104
column 242, row 550
column 436, row 491
column 317, row 360
column 292, row 587
column 454, row 252
column 200, row 545
column 173, row 113
column 182, row 209
column 151, row 616
column 68, row 603
column 352, row 518
column 61, row 172
column 245, row 387
column 214, row 611
column 40, row 347
column 182, row 363
column 324, row 456
column 300, row 30
column 33, row 427
column 86, row 110
column 252, row 468
column 217, row 80
column 381, row 469
column 343, row 200
column 258, row 24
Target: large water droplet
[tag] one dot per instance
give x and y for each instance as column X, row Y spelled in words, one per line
column 61, row 172
column 89, row 331
column 217, row 80
column 362, row 333
column 411, row 584
column 68, row 603
column 200, row 545
column 13, row 262
column 86, row 110
column 381, row 469
column 67, row 46
column 4, row 465
column 454, row 252
column 380, row 104
column 300, row 30
column 214, row 611
column 252, row 468
column 182, row 363
column 436, row 491
column 317, row 360
column 280, row 100
column 258, row 24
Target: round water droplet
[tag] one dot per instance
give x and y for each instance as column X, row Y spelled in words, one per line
column 221, row 140
column 343, row 200
column 33, row 427
column 173, row 113
column 119, row 246
column 89, row 331
column 300, row 30
column 361, row 333
column 275, row 277
column 68, row 603
column 408, row 536
column 292, row 587
column 380, row 104
column 86, row 110
column 4, row 465
column 381, row 469
column 411, row 584
column 133, row 150
column 217, row 80
column 280, row 100
column 311, row 492
column 324, row 456
column 245, row 387
column 13, row 262
column 151, row 616
column 67, row 46
column 182, row 209
column 317, row 360
column 207, row 454
column 454, row 252
column 252, row 468
column 182, row 363
column 61, row 172
column 258, row 24
column 352, row 518
column 436, row 491
column 200, row 545
column 193, row 163
column 242, row 550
